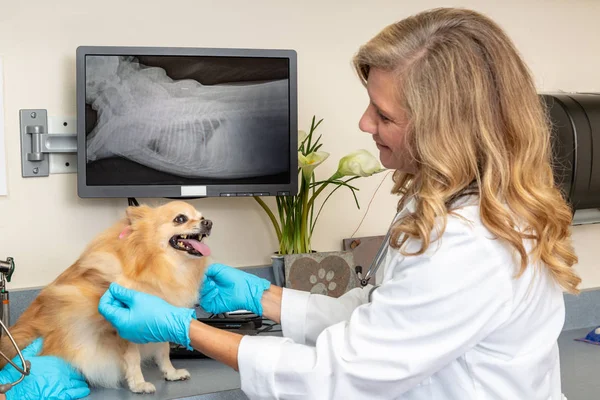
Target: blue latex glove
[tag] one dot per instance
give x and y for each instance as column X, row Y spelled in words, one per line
column 227, row 289
column 144, row 318
column 50, row 378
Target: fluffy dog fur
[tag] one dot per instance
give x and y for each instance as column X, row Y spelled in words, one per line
column 65, row 314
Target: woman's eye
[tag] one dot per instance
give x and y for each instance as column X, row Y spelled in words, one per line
column 383, row 117
column 180, row 219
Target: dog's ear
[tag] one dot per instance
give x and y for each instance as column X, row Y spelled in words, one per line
column 137, row 212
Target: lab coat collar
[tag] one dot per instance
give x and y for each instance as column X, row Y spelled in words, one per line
column 409, row 207
column 411, row 204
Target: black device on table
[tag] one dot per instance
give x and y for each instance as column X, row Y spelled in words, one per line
column 242, row 323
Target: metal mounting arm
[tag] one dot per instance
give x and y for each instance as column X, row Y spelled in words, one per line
column 37, row 143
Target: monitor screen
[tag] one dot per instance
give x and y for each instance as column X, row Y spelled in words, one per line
column 176, row 122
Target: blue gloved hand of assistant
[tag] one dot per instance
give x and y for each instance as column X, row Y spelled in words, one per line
column 50, row 377
column 227, row 289
column 144, row 318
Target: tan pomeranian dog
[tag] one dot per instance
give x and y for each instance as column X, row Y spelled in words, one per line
column 154, row 250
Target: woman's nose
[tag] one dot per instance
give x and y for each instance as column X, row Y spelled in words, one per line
column 366, row 123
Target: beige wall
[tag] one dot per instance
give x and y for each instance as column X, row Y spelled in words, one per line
column 44, row 225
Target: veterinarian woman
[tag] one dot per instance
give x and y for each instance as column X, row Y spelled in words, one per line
column 470, row 305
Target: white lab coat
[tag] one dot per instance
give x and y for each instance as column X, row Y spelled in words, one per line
column 451, row 324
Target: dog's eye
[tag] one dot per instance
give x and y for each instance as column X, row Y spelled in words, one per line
column 180, row 219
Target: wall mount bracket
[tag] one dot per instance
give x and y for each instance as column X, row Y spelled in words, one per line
column 48, row 145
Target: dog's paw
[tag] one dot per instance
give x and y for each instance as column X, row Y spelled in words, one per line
column 177, row 375
column 142, row 387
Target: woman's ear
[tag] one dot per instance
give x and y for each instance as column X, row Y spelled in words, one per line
column 135, row 213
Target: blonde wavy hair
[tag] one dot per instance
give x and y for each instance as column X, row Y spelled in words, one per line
column 475, row 122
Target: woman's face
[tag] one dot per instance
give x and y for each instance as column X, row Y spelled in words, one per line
column 386, row 121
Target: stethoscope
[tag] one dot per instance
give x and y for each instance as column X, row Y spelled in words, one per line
column 376, row 263
column 379, row 256
column 24, row 371
column 6, row 270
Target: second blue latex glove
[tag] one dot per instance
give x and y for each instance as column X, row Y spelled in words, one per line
column 50, row 377
column 227, row 289
column 144, row 318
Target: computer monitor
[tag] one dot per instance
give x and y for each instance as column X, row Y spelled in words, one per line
column 186, row 122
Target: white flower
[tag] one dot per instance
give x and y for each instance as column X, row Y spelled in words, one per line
column 301, row 137
column 359, row 163
column 309, row 162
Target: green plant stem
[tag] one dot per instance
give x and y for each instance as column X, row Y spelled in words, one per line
column 271, row 217
column 304, row 238
column 312, row 189
column 292, row 225
column 339, row 185
column 323, row 186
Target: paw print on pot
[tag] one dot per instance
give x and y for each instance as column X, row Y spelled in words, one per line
column 323, row 281
column 329, row 274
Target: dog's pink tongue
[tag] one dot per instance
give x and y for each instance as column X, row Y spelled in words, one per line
column 198, row 246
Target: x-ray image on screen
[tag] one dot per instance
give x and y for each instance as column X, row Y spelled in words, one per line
column 182, row 120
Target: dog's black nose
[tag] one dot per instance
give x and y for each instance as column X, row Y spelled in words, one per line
column 206, row 224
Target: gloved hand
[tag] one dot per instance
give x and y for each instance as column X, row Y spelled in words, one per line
column 228, row 289
column 144, row 318
column 50, row 377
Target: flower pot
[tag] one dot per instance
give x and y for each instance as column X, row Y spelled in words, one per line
column 327, row 273
column 278, row 265
column 277, row 262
